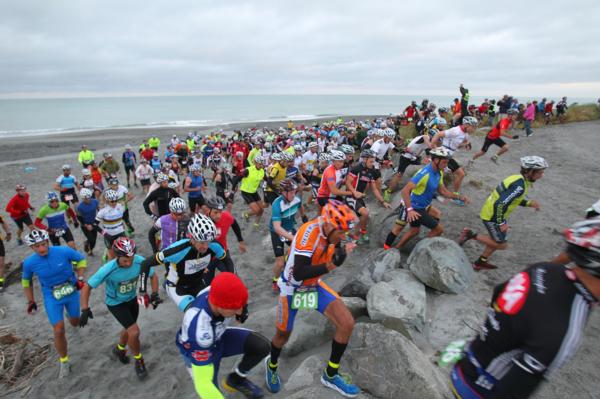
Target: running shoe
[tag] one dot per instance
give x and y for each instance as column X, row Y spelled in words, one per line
column 140, row 368
column 466, row 235
column 246, row 217
column 1, row 286
column 245, row 387
column 494, row 159
column 364, row 239
column 86, row 246
column 458, row 202
column 341, row 384
column 470, row 164
column 120, row 355
column 386, row 247
column 480, row 265
column 272, row 377
column 65, row 369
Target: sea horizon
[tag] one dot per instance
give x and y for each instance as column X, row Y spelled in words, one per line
column 40, row 116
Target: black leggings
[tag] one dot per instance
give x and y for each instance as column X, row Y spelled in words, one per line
column 126, row 218
column 256, row 348
column 90, row 236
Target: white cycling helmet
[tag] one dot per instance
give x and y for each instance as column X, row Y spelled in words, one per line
column 288, row 156
column 533, row 162
column 173, row 185
column 66, row 167
column 161, row 177
column 86, row 193
column 313, row 144
column 324, row 156
column 441, row 122
column 337, row 155
column 177, row 205
column 36, row 236
column 471, row 121
column 389, row 133
column 298, row 147
column 111, row 195
column 86, row 172
column 277, row 156
column 440, row 152
column 347, row 149
column 260, row 159
column 202, row 228
column 194, row 168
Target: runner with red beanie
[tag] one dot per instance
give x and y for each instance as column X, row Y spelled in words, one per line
column 205, row 337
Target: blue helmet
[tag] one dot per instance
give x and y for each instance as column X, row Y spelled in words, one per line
column 51, row 196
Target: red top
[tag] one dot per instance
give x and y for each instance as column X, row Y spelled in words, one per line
column 223, row 226
column 502, row 125
column 18, row 207
column 548, row 107
column 147, row 154
column 329, row 175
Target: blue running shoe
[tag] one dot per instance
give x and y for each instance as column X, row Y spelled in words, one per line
column 272, row 377
column 246, row 388
column 340, row 383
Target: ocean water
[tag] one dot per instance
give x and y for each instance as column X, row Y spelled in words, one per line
column 42, row 116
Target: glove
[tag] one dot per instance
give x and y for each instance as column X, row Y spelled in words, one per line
column 155, row 300
column 143, row 300
column 79, row 284
column 339, row 256
column 244, row 316
column 304, row 218
column 85, row 315
column 31, row 307
column 154, row 218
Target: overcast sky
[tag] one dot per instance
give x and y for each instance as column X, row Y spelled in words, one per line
column 80, row 48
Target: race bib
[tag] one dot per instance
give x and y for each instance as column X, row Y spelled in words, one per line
column 59, row 232
column 126, row 287
column 193, row 266
column 68, row 197
column 305, row 299
column 62, row 290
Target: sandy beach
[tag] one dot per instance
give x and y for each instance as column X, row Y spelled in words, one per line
column 568, row 187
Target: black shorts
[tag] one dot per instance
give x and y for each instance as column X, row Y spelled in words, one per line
column 493, row 229
column 355, row 204
column 251, row 197
column 278, row 244
column 198, row 201
column 71, row 192
column 24, row 221
column 129, row 168
column 145, row 182
column 453, row 165
column 2, row 252
column 126, row 313
column 66, row 235
column 488, row 143
column 270, row 196
column 404, row 162
column 227, row 198
column 425, row 220
column 322, row 201
column 108, row 239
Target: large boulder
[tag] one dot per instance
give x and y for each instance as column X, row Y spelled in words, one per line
column 387, row 365
column 403, row 298
column 441, row 264
column 320, row 392
column 375, row 266
column 357, row 306
column 311, row 329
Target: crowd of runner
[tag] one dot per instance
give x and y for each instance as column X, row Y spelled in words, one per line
column 310, row 187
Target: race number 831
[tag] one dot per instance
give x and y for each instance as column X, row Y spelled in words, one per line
column 305, row 300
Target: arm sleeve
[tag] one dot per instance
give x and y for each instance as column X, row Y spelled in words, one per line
column 149, row 199
column 237, row 230
column 151, row 261
column 151, row 237
column 507, row 197
column 303, row 270
column 203, row 382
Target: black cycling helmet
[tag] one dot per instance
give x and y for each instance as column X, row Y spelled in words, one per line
column 215, row 203
column 368, row 153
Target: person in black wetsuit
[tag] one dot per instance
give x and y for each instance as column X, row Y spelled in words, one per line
column 534, row 323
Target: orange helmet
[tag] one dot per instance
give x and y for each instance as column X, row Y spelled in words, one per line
column 339, row 215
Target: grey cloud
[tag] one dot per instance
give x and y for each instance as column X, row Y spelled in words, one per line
column 296, row 47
